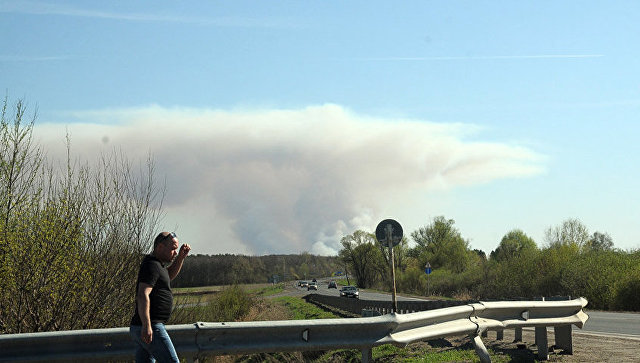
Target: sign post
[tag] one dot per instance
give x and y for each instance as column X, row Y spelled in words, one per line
column 389, row 233
column 427, row 270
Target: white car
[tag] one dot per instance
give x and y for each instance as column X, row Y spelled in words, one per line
column 349, row 291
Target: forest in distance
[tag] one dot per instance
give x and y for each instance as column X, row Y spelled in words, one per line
column 229, row 269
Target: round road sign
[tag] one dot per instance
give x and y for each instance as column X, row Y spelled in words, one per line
column 389, row 228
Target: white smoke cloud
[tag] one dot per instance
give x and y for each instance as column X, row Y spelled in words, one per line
column 287, row 181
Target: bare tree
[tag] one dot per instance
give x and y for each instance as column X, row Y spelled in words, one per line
column 570, row 233
column 71, row 238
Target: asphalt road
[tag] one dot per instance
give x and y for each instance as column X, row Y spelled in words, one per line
column 364, row 295
column 612, row 323
column 599, row 322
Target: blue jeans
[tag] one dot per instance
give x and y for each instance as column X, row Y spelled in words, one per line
column 160, row 348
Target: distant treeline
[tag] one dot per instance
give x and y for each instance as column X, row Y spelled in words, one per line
column 205, row 270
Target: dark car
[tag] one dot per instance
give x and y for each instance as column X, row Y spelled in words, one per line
column 332, row 285
column 349, row 291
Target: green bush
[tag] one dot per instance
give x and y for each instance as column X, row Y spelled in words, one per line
column 448, row 283
column 232, row 304
column 412, row 281
column 627, row 292
column 552, row 265
column 515, row 277
column 593, row 275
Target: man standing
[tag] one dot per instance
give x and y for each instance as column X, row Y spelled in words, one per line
column 154, row 299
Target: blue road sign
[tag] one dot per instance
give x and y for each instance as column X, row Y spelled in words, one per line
column 427, row 270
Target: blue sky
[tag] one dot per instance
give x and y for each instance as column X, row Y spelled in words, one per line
column 295, row 122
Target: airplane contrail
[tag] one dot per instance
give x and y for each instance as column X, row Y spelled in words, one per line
column 11, row 58
column 488, row 57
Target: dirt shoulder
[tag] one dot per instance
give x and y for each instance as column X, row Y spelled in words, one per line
column 587, row 347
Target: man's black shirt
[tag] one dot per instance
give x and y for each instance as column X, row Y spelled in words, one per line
column 152, row 272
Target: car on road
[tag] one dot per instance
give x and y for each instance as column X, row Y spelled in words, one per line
column 332, row 285
column 304, row 284
column 312, row 286
column 349, row 291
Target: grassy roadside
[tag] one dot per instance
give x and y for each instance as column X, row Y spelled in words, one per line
column 196, row 290
column 301, row 310
column 253, row 288
column 207, row 294
column 229, row 303
column 267, row 290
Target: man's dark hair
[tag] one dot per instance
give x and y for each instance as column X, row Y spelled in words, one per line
column 160, row 238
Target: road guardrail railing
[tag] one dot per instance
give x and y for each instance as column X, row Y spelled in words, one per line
column 355, row 306
column 199, row 340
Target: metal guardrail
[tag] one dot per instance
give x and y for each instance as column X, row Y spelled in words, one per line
column 355, row 306
column 194, row 341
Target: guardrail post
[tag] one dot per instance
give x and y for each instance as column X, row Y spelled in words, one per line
column 481, row 350
column 367, row 355
column 541, row 342
column 563, row 338
column 518, row 334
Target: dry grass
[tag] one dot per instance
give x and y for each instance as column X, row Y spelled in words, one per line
column 463, row 295
column 262, row 310
column 265, row 310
